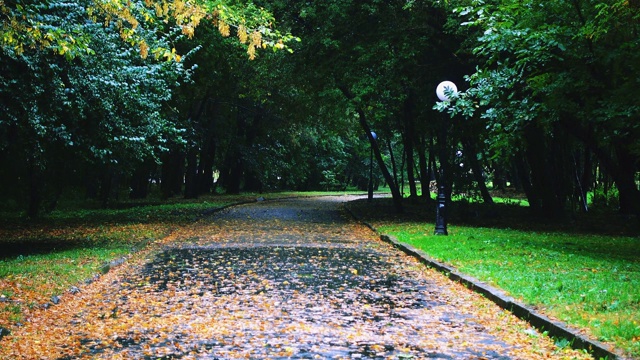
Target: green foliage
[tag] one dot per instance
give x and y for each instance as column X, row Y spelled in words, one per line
column 105, row 102
column 551, row 66
column 60, row 114
column 602, row 198
column 30, row 25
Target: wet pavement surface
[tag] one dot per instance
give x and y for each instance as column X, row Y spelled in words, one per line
column 289, row 279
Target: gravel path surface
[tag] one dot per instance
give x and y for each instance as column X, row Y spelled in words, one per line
column 289, row 279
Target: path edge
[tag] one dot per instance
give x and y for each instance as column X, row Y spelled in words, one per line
column 541, row 322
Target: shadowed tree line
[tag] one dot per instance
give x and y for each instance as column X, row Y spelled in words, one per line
column 547, row 103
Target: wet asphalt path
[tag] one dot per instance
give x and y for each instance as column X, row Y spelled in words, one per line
column 292, row 279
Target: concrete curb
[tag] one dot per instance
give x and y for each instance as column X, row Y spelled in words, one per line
column 553, row 328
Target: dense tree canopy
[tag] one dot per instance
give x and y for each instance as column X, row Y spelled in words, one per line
column 82, row 100
column 556, row 84
column 111, row 96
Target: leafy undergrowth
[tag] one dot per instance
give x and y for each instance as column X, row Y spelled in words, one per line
column 590, row 281
column 41, row 260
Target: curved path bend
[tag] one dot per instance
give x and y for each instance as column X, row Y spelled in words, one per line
column 289, row 279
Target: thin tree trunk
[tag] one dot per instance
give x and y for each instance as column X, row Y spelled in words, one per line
column 191, row 175
column 408, row 137
column 524, row 179
column 476, row 168
column 35, row 189
column 622, row 167
column 543, row 177
column 172, row 174
column 394, row 167
column 424, row 169
column 362, row 119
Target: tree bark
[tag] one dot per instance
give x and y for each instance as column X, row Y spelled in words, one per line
column 623, row 173
column 541, row 173
column 191, row 175
column 140, row 182
column 362, row 119
column 35, row 189
column 106, row 185
column 622, row 167
column 394, row 166
column 424, row 169
column 395, row 192
column 476, row 168
column 524, row 179
column 409, row 139
column 172, row 173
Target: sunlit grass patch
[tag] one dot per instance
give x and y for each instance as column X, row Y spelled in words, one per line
column 31, row 281
column 590, row 281
column 45, row 258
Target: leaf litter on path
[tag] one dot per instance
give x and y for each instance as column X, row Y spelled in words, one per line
column 290, row 279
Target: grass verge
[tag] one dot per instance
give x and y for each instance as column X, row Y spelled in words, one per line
column 589, row 281
column 45, row 258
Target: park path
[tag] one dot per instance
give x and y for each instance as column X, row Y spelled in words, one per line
column 288, row 279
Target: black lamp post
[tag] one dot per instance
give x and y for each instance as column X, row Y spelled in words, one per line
column 442, row 91
column 370, row 197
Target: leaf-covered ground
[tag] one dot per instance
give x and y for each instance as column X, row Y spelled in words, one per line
column 288, row 279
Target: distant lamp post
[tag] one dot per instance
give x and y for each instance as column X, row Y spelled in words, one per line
column 370, row 197
column 442, row 91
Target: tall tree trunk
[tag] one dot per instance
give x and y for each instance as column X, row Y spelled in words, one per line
column 394, row 166
column 172, row 173
column 523, row 176
column 106, row 185
column 587, row 172
column 362, row 119
column 622, row 167
column 139, row 184
column 35, row 188
column 408, row 136
column 411, row 178
column 582, row 187
column 433, row 168
column 424, row 169
column 191, row 175
column 544, row 177
column 252, row 180
column 395, row 192
column 476, row 168
column 195, row 178
column 208, row 149
column 205, row 168
column 499, row 178
column 623, row 174
column 234, row 176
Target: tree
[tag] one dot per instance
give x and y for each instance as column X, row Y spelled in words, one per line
column 78, row 84
column 103, row 109
column 27, row 25
column 384, row 59
column 553, row 79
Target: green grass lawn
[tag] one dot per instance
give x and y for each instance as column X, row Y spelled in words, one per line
column 589, row 281
column 46, row 257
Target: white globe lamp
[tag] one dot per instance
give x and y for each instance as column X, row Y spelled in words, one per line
column 445, row 86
